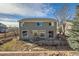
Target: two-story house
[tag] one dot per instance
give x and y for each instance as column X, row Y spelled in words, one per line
column 37, row 27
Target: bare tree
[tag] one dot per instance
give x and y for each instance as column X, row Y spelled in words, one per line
column 61, row 16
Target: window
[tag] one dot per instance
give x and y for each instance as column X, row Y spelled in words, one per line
column 39, row 23
column 35, row 34
column 42, row 34
column 51, row 34
column 39, row 33
column 24, row 33
column 50, row 24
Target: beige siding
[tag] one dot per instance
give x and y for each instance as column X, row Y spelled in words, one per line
column 29, row 25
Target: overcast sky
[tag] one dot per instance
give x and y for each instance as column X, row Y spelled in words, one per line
column 15, row 12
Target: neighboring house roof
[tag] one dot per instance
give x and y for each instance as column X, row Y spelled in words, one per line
column 10, row 24
column 2, row 25
column 37, row 20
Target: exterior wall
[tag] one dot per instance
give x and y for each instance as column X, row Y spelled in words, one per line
column 29, row 26
column 20, row 34
column 68, row 27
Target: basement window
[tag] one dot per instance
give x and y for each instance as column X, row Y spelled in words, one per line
column 51, row 34
column 24, row 33
column 35, row 34
column 42, row 35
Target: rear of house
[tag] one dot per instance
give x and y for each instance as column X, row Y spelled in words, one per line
column 31, row 28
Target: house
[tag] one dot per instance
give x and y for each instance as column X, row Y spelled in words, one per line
column 37, row 27
column 68, row 27
column 2, row 28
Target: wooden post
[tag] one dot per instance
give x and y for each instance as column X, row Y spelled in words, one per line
column 5, row 33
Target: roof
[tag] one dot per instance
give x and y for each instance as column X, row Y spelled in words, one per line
column 10, row 24
column 2, row 25
column 37, row 20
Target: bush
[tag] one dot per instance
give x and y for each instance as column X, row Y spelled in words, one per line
column 73, row 42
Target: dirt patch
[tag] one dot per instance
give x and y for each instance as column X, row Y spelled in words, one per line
column 40, row 53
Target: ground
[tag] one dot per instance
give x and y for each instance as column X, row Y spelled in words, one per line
column 42, row 47
column 17, row 47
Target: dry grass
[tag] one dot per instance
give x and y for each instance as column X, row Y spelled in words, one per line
column 1, row 35
column 16, row 45
column 11, row 46
column 26, row 48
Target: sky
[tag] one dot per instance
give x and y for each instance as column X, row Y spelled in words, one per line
column 17, row 11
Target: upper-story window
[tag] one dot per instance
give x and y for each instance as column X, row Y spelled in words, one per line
column 51, row 24
column 39, row 24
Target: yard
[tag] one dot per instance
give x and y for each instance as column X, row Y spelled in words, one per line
column 18, row 47
column 42, row 47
